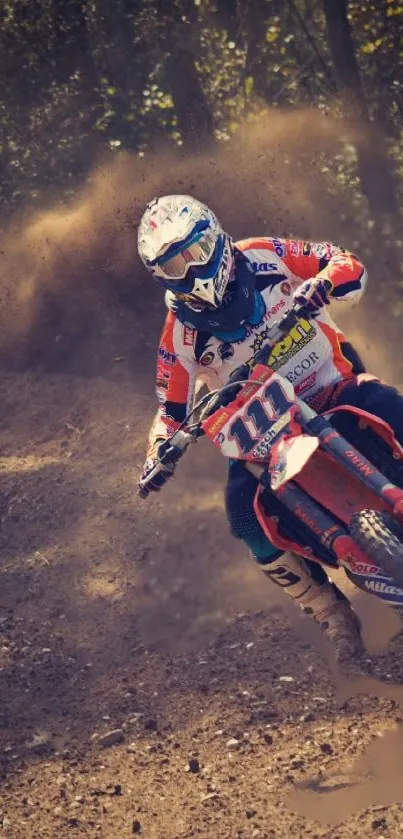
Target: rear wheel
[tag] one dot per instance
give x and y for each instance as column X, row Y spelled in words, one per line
column 381, row 538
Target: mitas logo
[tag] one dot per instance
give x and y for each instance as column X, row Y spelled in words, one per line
column 383, row 588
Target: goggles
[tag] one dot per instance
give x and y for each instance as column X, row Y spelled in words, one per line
column 175, row 267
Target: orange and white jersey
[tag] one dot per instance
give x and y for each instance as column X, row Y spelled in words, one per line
column 310, row 357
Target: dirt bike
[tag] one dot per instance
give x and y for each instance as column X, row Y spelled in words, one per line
column 328, row 485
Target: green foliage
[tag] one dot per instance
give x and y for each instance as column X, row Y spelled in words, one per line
column 82, row 79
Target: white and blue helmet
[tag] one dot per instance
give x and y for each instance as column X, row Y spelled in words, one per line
column 182, row 243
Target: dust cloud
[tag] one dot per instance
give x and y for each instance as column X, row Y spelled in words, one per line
column 73, row 292
column 75, row 298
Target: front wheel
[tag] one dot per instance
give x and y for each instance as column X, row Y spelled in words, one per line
column 380, row 537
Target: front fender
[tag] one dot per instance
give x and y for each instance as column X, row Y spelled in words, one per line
column 288, row 457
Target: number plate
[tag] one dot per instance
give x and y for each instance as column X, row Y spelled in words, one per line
column 262, row 412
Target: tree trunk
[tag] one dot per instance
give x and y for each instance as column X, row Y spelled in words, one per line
column 256, row 57
column 120, row 58
column 71, row 47
column 193, row 114
column 228, row 15
column 181, row 42
column 374, row 167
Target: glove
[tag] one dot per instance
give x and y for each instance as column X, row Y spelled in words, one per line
column 313, row 294
column 165, row 471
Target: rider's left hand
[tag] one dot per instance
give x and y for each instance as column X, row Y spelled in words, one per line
column 313, row 294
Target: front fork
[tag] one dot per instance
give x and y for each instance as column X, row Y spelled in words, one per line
column 332, row 536
column 351, row 459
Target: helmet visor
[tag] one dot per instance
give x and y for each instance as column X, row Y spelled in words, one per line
column 174, row 267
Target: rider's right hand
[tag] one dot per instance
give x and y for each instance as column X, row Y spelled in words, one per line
column 161, row 477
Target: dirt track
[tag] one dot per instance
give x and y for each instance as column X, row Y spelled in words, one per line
column 149, row 619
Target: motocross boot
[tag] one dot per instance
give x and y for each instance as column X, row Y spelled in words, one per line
column 309, row 586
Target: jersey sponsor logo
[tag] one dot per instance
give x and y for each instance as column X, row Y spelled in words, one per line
column 168, row 357
column 275, row 309
column 298, row 337
column 302, row 367
column 163, row 377
column 162, row 384
column 207, row 358
column 280, row 247
column 321, row 249
column 306, row 384
column 294, row 247
column 259, row 340
column 326, row 249
column 265, row 267
column 188, row 336
column 225, row 351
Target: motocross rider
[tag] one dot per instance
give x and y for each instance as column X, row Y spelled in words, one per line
column 221, row 297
